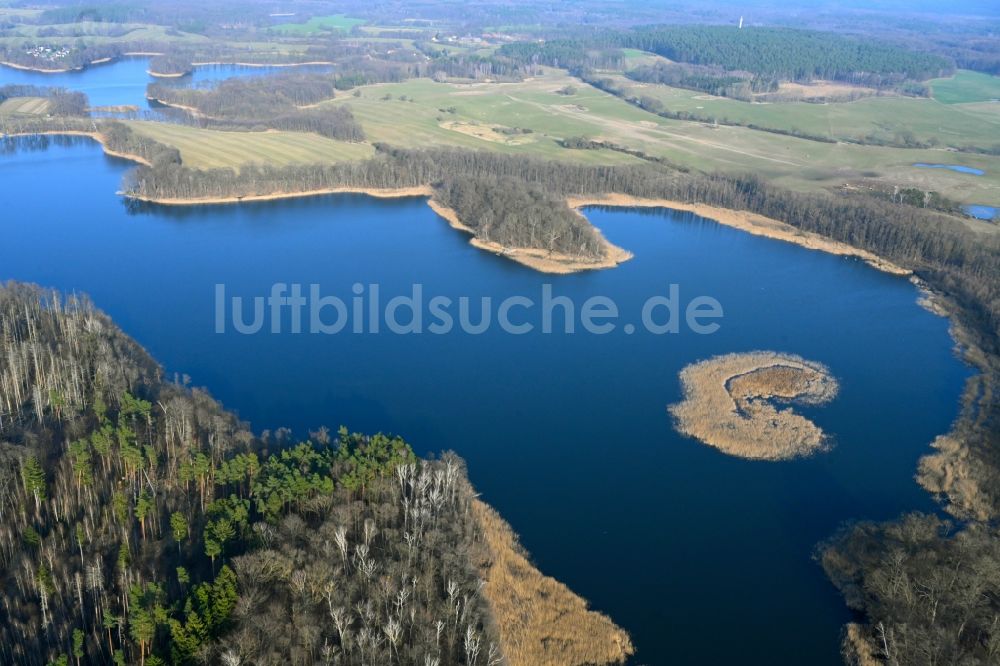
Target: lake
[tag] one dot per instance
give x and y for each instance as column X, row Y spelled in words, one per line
column 704, row 558
column 123, row 82
column 952, row 167
column 981, row 212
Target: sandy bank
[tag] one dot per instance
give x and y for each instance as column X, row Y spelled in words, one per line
column 540, row 620
column 166, row 75
column 731, row 403
column 40, row 70
column 752, row 223
column 381, row 193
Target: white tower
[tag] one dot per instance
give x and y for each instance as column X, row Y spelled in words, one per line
column 741, row 23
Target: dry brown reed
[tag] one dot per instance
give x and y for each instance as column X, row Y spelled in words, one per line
column 732, row 402
column 541, row 621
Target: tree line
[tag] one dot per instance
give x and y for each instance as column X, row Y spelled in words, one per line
column 62, row 102
column 172, row 64
column 277, row 102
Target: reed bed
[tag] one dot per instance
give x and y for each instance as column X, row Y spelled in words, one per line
column 740, row 404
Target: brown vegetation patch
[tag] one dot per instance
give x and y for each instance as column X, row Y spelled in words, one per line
column 492, row 133
column 830, row 91
column 730, row 403
column 541, row 622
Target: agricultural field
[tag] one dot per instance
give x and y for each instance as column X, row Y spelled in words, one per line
column 318, row 24
column 20, row 106
column 966, row 87
column 887, row 118
column 421, row 112
column 207, row 149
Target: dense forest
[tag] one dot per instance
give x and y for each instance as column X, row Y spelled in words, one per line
column 170, row 64
column 768, row 54
column 798, row 55
column 144, row 524
column 518, row 215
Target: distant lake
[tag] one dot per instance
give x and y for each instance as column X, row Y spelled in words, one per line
column 124, row 81
column 704, row 558
column 981, row 212
column 952, row 167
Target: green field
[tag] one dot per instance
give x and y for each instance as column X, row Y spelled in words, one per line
column 634, row 53
column 205, row 149
column 966, row 87
column 21, row 106
column 886, row 118
column 474, row 116
column 454, row 114
column 319, row 24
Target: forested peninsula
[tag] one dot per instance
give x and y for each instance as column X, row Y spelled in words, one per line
column 145, row 524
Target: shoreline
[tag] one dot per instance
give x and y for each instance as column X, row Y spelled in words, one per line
column 752, row 223
column 266, row 64
column 39, row 70
column 559, row 264
column 536, row 258
column 151, row 54
column 377, row 192
column 171, row 105
column 539, row 619
column 96, row 136
column 45, row 70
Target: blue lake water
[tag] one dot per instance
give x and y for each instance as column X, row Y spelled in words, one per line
column 566, row 435
column 124, row 81
column 981, row 212
column 952, row 167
